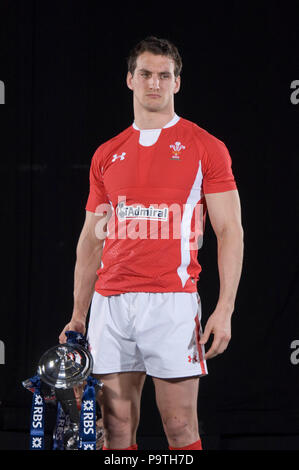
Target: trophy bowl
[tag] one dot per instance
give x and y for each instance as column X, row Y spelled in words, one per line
column 65, row 366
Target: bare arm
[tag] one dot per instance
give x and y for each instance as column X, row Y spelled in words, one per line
column 225, row 216
column 88, row 260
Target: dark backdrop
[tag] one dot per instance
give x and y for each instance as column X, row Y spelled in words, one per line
column 63, row 64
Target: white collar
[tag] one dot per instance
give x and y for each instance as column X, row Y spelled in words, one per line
column 171, row 123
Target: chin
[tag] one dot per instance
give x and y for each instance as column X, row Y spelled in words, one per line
column 153, row 108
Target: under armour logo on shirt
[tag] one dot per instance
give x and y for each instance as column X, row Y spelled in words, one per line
column 115, row 157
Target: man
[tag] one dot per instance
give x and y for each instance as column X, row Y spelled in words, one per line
column 145, row 311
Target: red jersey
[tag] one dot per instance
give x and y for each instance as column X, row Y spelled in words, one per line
column 155, row 190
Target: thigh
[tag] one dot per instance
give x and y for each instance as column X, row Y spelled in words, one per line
column 177, row 396
column 121, row 395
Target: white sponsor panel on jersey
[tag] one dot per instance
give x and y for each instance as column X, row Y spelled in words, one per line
column 140, row 212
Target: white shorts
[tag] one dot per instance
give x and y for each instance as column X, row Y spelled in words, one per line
column 157, row 333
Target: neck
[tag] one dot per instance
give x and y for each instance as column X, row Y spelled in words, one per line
column 145, row 119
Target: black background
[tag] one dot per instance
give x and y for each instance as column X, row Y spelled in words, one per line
column 64, row 68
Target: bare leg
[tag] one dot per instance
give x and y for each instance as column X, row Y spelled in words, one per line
column 120, row 406
column 177, row 403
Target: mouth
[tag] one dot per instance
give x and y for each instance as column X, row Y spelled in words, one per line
column 153, row 95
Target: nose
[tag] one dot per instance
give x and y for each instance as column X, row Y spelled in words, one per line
column 154, row 82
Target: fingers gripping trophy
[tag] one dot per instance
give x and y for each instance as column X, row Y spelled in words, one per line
column 63, row 379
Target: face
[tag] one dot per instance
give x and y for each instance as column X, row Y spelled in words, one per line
column 153, row 82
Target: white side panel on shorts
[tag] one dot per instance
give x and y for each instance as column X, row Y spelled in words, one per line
column 193, row 199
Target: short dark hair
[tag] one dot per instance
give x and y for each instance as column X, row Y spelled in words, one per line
column 156, row 46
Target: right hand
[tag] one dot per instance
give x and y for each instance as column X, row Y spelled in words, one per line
column 73, row 325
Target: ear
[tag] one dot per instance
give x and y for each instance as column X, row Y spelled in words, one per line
column 129, row 80
column 177, row 84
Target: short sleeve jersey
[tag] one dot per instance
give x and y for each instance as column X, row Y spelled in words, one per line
column 155, row 195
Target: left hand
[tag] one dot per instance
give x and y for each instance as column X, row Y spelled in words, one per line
column 73, row 325
column 219, row 325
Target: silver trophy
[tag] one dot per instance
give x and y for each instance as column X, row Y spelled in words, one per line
column 64, row 366
column 63, row 370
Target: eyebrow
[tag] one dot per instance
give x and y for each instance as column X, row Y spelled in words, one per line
column 148, row 71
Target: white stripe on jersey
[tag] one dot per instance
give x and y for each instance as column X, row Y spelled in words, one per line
column 193, row 198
